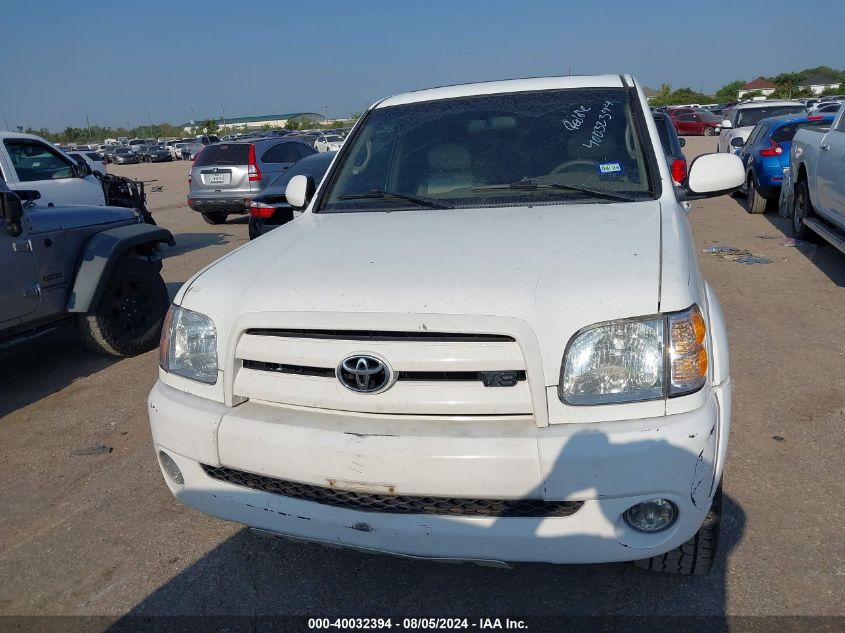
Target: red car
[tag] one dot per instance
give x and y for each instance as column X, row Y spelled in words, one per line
column 700, row 122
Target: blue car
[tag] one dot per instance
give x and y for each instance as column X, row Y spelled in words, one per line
column 765, row 154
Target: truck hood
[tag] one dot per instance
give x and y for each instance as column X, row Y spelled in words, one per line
column 559, row 268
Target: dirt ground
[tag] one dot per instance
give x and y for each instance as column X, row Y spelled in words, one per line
column 101, row 535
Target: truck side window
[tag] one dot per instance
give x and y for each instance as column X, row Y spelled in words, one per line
column 35, row 161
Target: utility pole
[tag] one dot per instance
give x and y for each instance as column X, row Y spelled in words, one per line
column 149, row 125
column 223, row 109
column 88, row 124
column 5, row 120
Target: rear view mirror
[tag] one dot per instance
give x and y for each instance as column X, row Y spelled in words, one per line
column 737, row 142
column 82, row 168
column 714, row 175
column 683, row 142
column 299, row 191
column 11, row 212
column 726, row 125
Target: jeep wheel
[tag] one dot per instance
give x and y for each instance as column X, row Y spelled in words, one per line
column 697, row 555
column 128, row 320
column 754, row 202
column 214, row 217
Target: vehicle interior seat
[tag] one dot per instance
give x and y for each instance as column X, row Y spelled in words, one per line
column 449, row 168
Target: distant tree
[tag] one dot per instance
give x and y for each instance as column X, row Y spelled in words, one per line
column 829, row 92
column 728, row 91
column 292, row 124
column 209, row 126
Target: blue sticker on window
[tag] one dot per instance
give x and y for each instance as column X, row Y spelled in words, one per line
column 610, row 168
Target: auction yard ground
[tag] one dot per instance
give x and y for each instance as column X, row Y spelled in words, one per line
column 100, row 534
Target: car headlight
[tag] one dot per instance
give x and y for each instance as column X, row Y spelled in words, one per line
column 189, row 345
column 635, row 359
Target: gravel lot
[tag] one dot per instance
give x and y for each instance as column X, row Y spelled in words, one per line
column 101, row 535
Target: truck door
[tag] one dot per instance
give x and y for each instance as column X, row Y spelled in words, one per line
column 830, row 172
column 35, row 165
column 19, row 294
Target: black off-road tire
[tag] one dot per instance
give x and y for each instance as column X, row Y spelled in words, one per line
column 754, row 202
column 128, row 320
column 215, row 217
column 697, row 556
column 802, row 208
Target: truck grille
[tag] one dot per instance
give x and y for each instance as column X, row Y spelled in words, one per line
column 436, row 373
column 399, row 504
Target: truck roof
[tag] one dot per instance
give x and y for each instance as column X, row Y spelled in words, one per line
column 509, row 85
column 766, row 104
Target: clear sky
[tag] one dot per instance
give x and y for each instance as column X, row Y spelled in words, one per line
column 123, row 62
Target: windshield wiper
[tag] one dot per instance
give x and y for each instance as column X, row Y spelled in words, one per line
column 537, row 183
column 377, row 194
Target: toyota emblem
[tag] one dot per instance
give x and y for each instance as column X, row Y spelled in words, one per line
column 364, row 374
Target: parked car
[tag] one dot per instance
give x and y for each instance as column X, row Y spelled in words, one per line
column 766, row 154
column 672, row 147
column 270, row 209
column 816, row 160
column 95, row 160
column 745, row 116
column 328, row 143
column 379, row 374
column 31, row 162
column 93, row 267
column 828, row 107
column 225, row 177
column 124, row 156
column 155, row 154
column 192, row 149
column 698, row 123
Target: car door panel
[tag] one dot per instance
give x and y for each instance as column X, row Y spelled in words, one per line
column 19, row 292
column 830, row 175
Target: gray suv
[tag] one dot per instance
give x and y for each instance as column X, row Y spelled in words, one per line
column 225, row 177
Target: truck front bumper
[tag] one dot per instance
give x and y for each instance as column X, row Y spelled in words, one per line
column 607, row 466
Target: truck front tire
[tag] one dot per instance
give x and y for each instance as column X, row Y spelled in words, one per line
column 128, row 319
column 697, row 555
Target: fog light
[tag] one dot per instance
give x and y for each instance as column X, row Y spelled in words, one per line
column 652, row 515
column 170, row 468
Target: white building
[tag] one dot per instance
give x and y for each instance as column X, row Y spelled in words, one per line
column 817, row 84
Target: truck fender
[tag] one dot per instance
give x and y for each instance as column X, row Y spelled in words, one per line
column 101, row 253
column 720, row 363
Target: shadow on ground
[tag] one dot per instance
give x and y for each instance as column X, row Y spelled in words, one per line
column 187, row 242
column 824, row 256
column 38, row 368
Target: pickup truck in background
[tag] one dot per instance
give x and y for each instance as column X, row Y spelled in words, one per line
column 29, row 162
column 817, row 165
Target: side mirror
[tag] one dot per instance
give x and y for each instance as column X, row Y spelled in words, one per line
column 299, row 191
column 11, row 212
column 82, row 168
column 714, row 175
column 726, row 125
column 737, row 142
column 683, row 142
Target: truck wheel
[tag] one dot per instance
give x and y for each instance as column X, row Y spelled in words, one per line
column 214, row 217
column 802, row 208
column 128, row 320
column 754, row 202
column 697, row 555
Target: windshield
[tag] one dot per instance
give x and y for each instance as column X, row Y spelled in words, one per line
column 752, row 116
column 495, row 150
column 334, row 139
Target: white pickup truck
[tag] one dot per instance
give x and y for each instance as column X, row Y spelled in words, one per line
column 817, row 167
column 497, row 345
column 31, row 162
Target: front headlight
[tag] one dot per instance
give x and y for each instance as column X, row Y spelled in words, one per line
column 189, row 345
column 635, row 359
